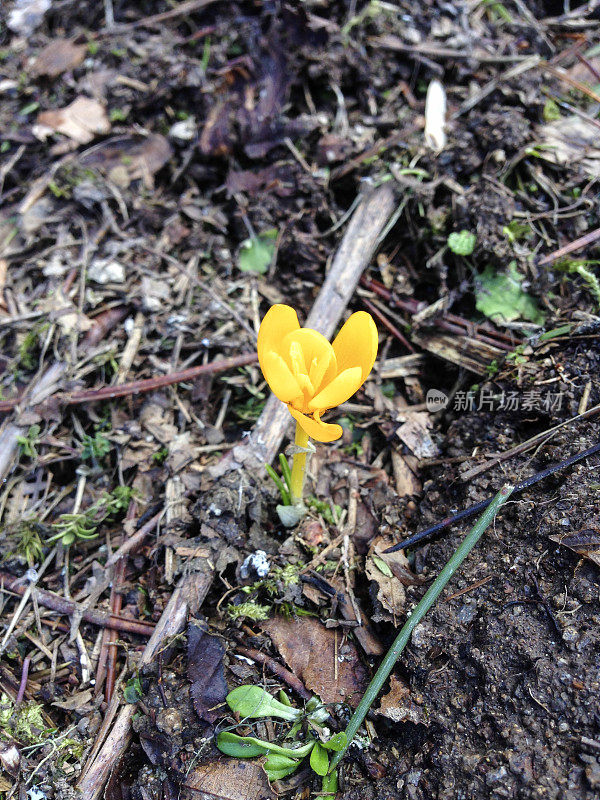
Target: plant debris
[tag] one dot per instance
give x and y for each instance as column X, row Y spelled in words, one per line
column 169, row 172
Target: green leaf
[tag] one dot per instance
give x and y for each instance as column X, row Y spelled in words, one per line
column 239, row 746
column 462, row 243
column 551, row 111
column 329, row 784
column 319, row 760
column 248, row 747
column 254, row 702
column 316, row 711
column 501, row 298
column 278, row 767
column 283, row 698
column 133, row 690
column 382, row 566
column 337, row 742
column 562, row 331
column 256, row 254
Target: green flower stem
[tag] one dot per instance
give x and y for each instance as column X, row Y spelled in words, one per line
column 428, row 599
column 299, row 466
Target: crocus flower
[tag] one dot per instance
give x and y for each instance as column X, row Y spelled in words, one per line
column 308, row 373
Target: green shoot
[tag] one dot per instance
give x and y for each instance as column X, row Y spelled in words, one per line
column 27, row 444
column 94, row 448
column 283, row 490
column 582, row 268
column 253, row 702
column 84, row 525
column 426, row 602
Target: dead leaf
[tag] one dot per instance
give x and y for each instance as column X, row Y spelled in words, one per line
column 227, row 779
column 416, row 435
column 130, row 158
column 81, row 121
column 76, row 701
column 3, row 270
column 68, row 316
column 206, row 673
column 58, row 57
column 581, row 72
column 407, row 483
column 585, row 543
column 573, row 141
column 310, row 650
column 387, row 569
column 398, row 704
column 158, row 421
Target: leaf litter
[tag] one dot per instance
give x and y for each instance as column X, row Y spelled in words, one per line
column 168, row 149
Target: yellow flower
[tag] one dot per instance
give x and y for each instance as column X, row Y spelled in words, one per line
column 308, row 373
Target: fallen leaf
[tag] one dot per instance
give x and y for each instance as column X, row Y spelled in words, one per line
column 158, row 421
column 76, row 701
column 58, row 57
column 586, row 543
column 416, row 435
column 407, row 482
column 206, row 673
column 391, row 573
column 129, row 158
column 227, row 779
column 571, row 141
column 81, row 121
column 309, row 649
column 68, row 316
column 398, row 704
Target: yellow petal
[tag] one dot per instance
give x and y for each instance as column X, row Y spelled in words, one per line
column 356, row 344
column 313, row 345
column 281, row 381
column 323, row 370
column 277, row 323
column 339, row 390
column 317, row 430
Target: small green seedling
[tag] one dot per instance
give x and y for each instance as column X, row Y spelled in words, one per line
column 582, row 268
column 257, row 253
column 253, row 702
column 84, row 525
column 27, row 444
column 462, row 243
column 94, row 448
column 284, row 485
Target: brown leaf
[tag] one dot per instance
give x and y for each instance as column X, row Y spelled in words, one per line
column 416, row 435
column 399, row 705
column 585, row 543
column 230, row 779
column 58, row 57
column 309, row 649
column 76, row 701
column 130, row 158
column 378, row 568
column 206, row 672
column 81, row 121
